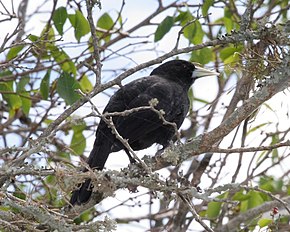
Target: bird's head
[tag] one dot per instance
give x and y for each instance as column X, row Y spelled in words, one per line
column 182, row 71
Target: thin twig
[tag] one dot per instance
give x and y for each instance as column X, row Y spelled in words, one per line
column 250, row 149
column 95, row 42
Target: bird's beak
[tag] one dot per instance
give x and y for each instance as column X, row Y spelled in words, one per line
column 202, row 72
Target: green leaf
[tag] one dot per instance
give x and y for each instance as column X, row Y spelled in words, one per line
column 278, row 185
column 13, row 52
column 59, row 17
column 63, row 155
column 202, row 56
column 189, row 31
column 261, row 156
column 228, row 54
column 257, row 127
column 240, row 196
column 228, row 21
column 183, row 16
column 33, row 38
column 198, row 33
column 266, row 183
column 248, row 200
column 85, row 84
column 63, row 60
column 214, row 208
column 269, row 107
column 44, row 85
column 191, row 99
column 66, row 86
column 192, row 28
column 86, row 216
column 283, row 5
column 22, row 83
column 13, row 100
column 19, row 195
column 48, row 35
column 120, row 19
column 201, row 100
column 264, row 222
column 42, row 43
column 26, row 102
column 105, row 22
column 48, row 121
column 80, row 24
column 24, row 95
column 50, row 179
column 78, row 142
column 205, row 6
column 163, row 28
column 275, row 140
column 72, row 19
column 255, row 199
column 270, row 184
column 38, row 50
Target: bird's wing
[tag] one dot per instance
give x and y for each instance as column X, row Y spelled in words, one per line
column 171, row 99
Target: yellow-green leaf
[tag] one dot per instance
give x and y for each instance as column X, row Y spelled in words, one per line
column 11, row 97
column 257, row 127
column 214, row 208
column 105, row 21
column 255, row 199
column 85, row 84
column 78, row 142
column 26, row 102
column 33, row 38
column 264, row 222
column 63, row 60
column 48, row 35
column 240, row 196
column 228, row 54
column 275, row 140
column 198, row 33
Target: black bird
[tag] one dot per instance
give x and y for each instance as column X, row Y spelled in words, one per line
column 169, row 84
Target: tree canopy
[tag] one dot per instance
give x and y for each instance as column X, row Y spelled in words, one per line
column 60, row 61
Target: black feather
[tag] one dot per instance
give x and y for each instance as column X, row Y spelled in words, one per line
column 169, row 84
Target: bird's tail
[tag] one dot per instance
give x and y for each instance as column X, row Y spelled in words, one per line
column 83, row 194
column 96, row 160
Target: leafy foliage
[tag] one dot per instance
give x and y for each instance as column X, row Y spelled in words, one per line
column 50, row 70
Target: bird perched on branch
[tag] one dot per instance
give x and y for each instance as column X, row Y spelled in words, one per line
column 169, row 84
